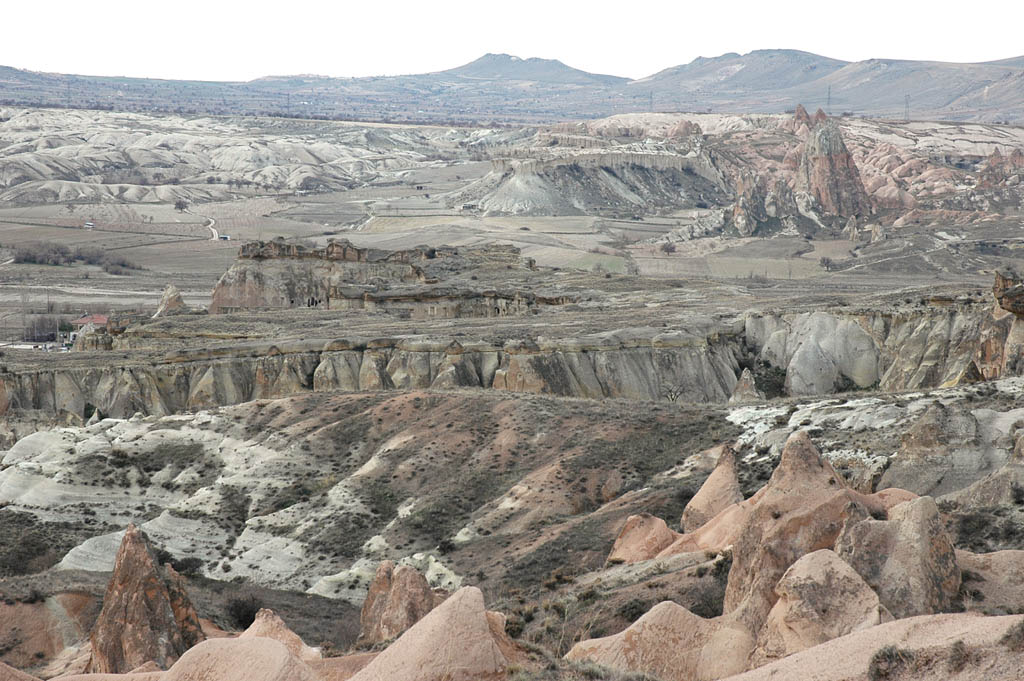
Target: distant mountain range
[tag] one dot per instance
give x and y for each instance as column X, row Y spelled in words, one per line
column 500, row 88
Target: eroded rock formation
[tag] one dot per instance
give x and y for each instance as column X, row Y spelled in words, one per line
column 398, row 597
column 277, row 275
column 240, row 659
column 907, row 559
column 598, row 181
column 632, row 363
column 458, row 640
column 268, row 625
column 670, row 642
column 829, row 174
column 1002, row 170
column 719, row 491
column 171, row 303
column 140, row 621
column 820, row 598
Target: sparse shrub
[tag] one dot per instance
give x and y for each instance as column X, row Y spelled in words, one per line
column 888, row 661
column 633, row 609
column 34, row 596
column 45, row 253
column 514, row 626
column 241, row 610
column 1014, row 637
column 959, row 656
column 188, row 566
column 708, row 600
column 667, row 248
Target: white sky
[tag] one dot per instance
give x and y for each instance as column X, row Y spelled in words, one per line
column 217, row 40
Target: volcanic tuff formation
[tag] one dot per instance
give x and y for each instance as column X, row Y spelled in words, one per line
column 810, row 563
column 397, row 598
column 273, row 276
column 171, row 303
column 828, row 172
column 359, row 427
column 811, row 557
column 581, row 183
column 146, row 616
column 948, row 343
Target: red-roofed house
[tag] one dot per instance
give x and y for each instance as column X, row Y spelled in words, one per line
column 97, row 319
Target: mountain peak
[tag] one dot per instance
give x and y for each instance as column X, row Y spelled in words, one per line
column 500, row 66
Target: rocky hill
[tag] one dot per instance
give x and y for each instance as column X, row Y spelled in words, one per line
column 760, row 70
column 509, row 67
column 500, row 87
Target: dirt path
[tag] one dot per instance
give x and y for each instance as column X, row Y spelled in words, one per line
column 214, row 234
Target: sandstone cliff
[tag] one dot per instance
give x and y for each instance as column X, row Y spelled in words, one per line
column 896, row 350
column 278, row 275
column 628, row 363
column 820, row 352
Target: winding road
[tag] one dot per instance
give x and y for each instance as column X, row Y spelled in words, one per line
column 214, row 234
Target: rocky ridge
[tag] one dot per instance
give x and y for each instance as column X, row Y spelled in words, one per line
column 945, row 343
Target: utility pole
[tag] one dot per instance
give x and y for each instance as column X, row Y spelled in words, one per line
column 24, row 315
column 828, row 105
column 906, row 109
column 651, row 101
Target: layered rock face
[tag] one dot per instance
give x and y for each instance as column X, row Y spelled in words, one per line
column 276, row 275
column 829, row 174
column 1008, row 357
column 142, row 620
column 941, row 346
column 598, row 182
column 1008, row 290
column 633, row 363
column 821, row 352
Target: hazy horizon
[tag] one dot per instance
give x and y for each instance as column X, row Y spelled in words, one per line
column 204, row 41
